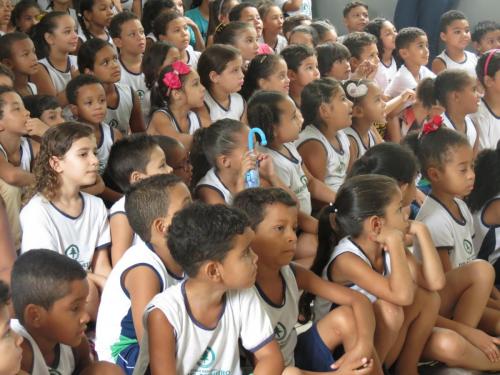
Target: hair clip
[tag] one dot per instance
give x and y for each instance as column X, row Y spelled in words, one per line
column 333, row 209
column 488, row 60
column 432, row 126
column 220, row 27
column 171, row 79
column 356, row 90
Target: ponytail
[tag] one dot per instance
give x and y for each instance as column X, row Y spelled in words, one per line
column 46, row 25
column 82, row 7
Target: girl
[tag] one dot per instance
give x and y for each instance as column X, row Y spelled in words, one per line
column 60, row 217
column 65, row 6
column 241, row 35
column 368, row 108
column 220, row 69
column 266, row 72
column 272, row 20
column 333, row 61
column 94, row 17
column 176, row 157
column 361, row 246
column 386, row 33
column 56, row 39
column 326, row 31
column 248, row 12
column 5, row 15
column 219, row 15
column 151, row 10
column 99, row 58
column 322, row 144
column 177, row 93
column 26, row 14
column 487, row 118
column 199, row 13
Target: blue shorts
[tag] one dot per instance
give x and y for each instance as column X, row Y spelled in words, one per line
column 311, row 353
column 127, row 358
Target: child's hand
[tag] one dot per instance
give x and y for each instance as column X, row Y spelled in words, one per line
column 266, row 166
column 486, row 343
column 190, row 22
column 365, row 70
column 408, row 96
column 249, row 162
column 416, row 228
column 359, row 352
column 390, row 238
column 356, row 367
column 36, row 127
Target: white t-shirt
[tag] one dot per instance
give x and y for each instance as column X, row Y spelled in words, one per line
column 118, row 208
column 305, row 8
column 488, row 126
column 60, row 78
column 137, row 83
column 337, row 160
column 193, row 57
column 119, row 117
column 470, row 129
column 114, row 318
column 487, row 238
column 210, row 350
column 362, row 148
column 193, row 120
column 404, row 80
column 385, row 74
column 234, row 111
column 83, row 37
column 104, row 146
column 212, row 181
column 446, row 231
column 469, row 64
column 46, row 227
column 281, row 43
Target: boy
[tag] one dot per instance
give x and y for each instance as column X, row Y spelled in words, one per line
column 355, row 17
column 176, row 156
column 10, row 342
column 194, row 327
column 130, row 160
column 295, row 7
column 49, row 302
column 364, row 59
column 486, row 36
column 46, row 108
column 455, row 33
column 333, row 61
column 145, row 270
column 412, row 47
column 273, row 217
column 302, row 68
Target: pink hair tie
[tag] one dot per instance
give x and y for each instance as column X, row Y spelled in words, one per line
column 433, row 125
column 488, row 60
column 172, row 79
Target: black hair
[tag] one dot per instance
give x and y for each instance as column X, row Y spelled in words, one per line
column 295, row 54
column 261, row 67
column 253, row 202
column 37, row 104
column 4, row 90
column 127, row 155
column 217, row 8
column 46, row 25
column 6, row 42
column 313, row 95
column 329, row 54
column 353, row 4
column 263, row 112
column 161, row 22
column 490, row 69
column 202, row 232
column 482, row 28
column 356, row 99
column 265, row 6
column 4, row 294
column 81, row 7
column 235, row 12
column 115, row 27
column 151, row 10
column 449, row 17
column 292, row 22
column 41, row 277
column 356, row 41
column 209, row 143
column 20, row 8
column 6, row 71
column 153, row 60
column 88, row 52
column 358, row 199
column 160, row 93
column 306, row 29
column 374, row 27
column 148, row 200
column 425, row 92
column 322, row 27
column 227, row 34
column 487, row 183
column 406, row 36
column 449, row 80
column 215, row 59
column 78, row 82
column 167, row 144
column 195, row 4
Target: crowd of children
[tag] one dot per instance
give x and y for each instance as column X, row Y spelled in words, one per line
column 238, row 189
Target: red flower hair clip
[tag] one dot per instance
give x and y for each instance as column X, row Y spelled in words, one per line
column 433, row 125
column 171, row 79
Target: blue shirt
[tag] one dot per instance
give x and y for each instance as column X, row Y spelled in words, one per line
column 197, row 17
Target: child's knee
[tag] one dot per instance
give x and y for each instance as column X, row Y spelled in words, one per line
column 482, row 272
column 429, row 301
column 342, row 320
column 392, row 315
column 449, row 344
column 292, row 371
column 102, row 368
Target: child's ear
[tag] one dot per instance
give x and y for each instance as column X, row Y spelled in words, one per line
column 403, row 53
column 214, row 77
column 136, row 176
column 442, row 36
column 88, row 71
column 74, row 110
column 324, row 111
column 224, row 161
column 357, row 111
column 354, row 63
column 374, row 227
column 55, row 164
column 211, row 271
column 159, row 226
column 49, row 38
column 8, row 63
column 34, row 315
column 292, row 75
column 434, row 174
column 118, row 42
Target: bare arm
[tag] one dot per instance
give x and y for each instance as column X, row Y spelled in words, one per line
column 14, row 175
column 161, row 124
column 136, row 118
column 268, row 359
column 7, row 251
column 121, row 236
column 315, row 158
column 162, row 346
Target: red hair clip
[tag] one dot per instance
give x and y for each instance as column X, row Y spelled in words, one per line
column 171, row 79
column 433, row 125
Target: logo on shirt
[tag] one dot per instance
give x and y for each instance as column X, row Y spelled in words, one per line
column 72, row 252
column 279, row 331
column 140, row 94
column 113, row 123
column 53, row 371
column 468, row 247
column 207, row 359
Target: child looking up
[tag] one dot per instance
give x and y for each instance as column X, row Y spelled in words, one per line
column 266, row 72
column 248, row 12
column 94, row 17
column 25, row 15
column 327, row 33
column 355, row 16
column 333, row 61
column 486, row 36
column 303, row 34
column 10, row 342
column 241, row 35
column 364, row 59
column 151, row 10
column 177, row 157
column 44, row 107
column 272, row 21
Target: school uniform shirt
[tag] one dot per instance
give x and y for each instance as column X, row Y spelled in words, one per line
column 281, row 43
column 65, row 360
column 78, row 237
column 385, row 74
column 488, row 126
column 212, row 181
column 32, row 87
column 119, row 117
column 283, row 316
column 487, row 238
column 446, row 231
column 362, row 147
column 305, row 8
column 59, row 78
column 404, row 80
column 26, row 154
column 337, row 160
column 192, row 57
column 210, row 350
column 118, row 208
column 137, row 83
column 290, row 171
column 193, row 120
column 234, row 111
column 470, row 129
column 469, row 63
column 104, row 146
column 115, row 326
column 83, row 38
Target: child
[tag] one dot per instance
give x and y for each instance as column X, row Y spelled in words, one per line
column 145, row 270
column 241, row 35
column 248, row 12
column 292, row 22
column 195, row 326
column 151, row 10
column 273, row 217
column 94, row 17
column 294, row 7
column 99, row 58
column 219, row 15
column 177, row 157
column 5, row 24
column 177, row 93
column 199, row 13
column 10, row 342
column 326, row 31
column 302, row 66
column 131, row 159
column 487, row 117
column 272, row 21
column 6, row 76
column 49, row 302
column 486, row 36
column 412, row 47
column 18, row 53
column 61, row 218
column 355, row 16
column 386, row 33
column 368, row 108
column 303, row 34
column 25, row 15
column 56, row 39
column 455, row 33
column 364, row 59
column 266, row 72
column 44, row 107
column 322, row 144
column 333, row 61
column 221, row 73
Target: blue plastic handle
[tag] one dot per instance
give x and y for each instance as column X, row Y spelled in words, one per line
column 251, row 133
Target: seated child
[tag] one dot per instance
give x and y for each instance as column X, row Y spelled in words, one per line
column 486, row 36
column 303, row 34
column 146, row 269
column 177, row 157
column 25, row 15
column 6, row 76
column 46, row 108
column 241, row 35
column 455, row 33
column 248, row 12
column 49, row 302
column 326, row 31
column 272, row 21
column 292, row 22
column 333, row 61
column 195, row 326
column 94, row 17
column 364, row 52
column 10, row 341
column 355, row 17
column 295, row 7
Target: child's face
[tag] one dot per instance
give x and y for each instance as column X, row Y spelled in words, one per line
column 417, row 52
column 101, row 14
column 409, row 191
column 290, row 123
column 468, row 98
column 180, row 197
column 246, row 42
column 28, row 19
column 278, row 80
column 457, row 34
column 194, row 90
column 179, row 6
column 106, row 65
column 370, row 53
column 5, row 11
column 157, row 163
column 338, row 111
column 388, row 35
column 231, row 78
column 52, row 116
column 179, row 161
column 306, row 73
column 329, row 37
column 132, row 38
column 489, row 41
column 10, row 345
column 341, row 70
column 395, row 217
column 251, row 15
column 275, row 238
column 6, row 81
column 177, row 33
column 15, row 114
column 372, row 106
column 356, row 19
column 301, row 38
column 273, row 21
column 91, row 104
column 64, row 37
column 23, row 57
